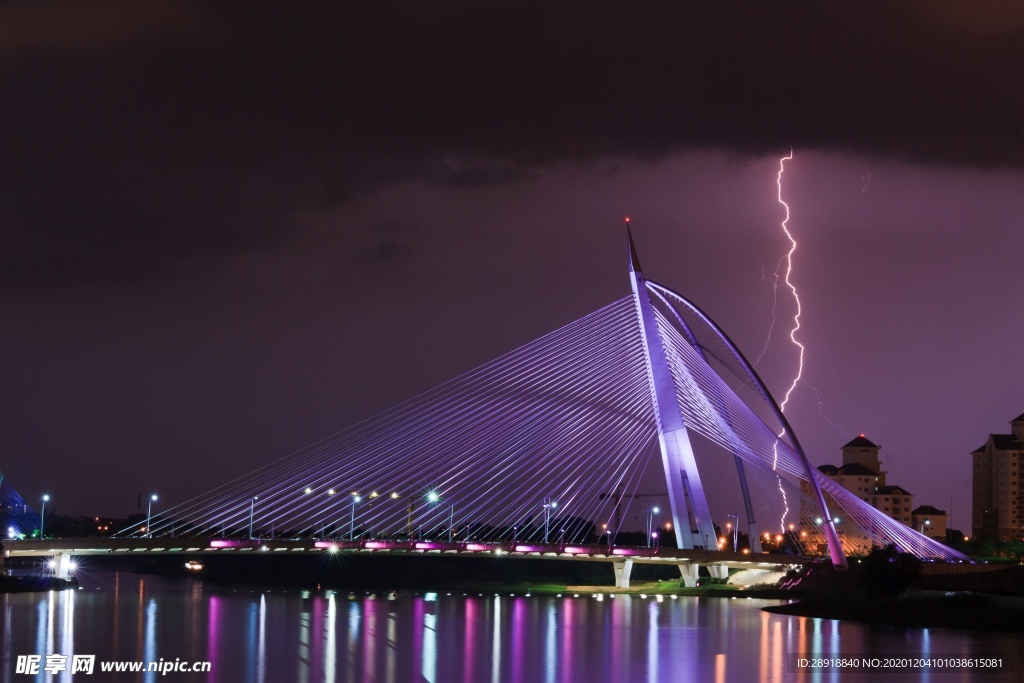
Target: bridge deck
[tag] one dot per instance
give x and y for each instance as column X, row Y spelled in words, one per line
column 551, row 551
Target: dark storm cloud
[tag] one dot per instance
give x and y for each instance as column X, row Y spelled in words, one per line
column 138, row 141
column 389, row 242
column 477, row 172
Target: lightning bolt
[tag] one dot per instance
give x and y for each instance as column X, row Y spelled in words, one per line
column 788, row 258
column 789, row 271
column 821, row 410
column 775, row 304
column 798, row 378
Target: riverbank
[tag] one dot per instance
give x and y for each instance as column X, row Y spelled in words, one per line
column 961, row 611
column 873, row 590
column 25, row 584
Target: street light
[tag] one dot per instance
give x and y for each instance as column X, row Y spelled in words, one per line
column 650, row 522
column 312, row 528
column 352, row 517
column 433, row 497
column 149, row 514
column 925, row 523
column 42, row 515
column 735, row 527
column 252, row 510
column 548, row 504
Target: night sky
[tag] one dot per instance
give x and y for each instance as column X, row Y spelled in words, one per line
column 230, row 229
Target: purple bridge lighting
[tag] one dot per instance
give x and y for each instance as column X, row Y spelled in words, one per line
column 535, row 453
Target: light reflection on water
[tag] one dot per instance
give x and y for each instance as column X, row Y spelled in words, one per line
column 258, row 636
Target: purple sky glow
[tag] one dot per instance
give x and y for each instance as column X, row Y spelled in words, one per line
column 227, row 231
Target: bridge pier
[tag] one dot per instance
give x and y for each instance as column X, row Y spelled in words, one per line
column 622, row 569
column 718, row 571
column 62, row 565
column 690, row 573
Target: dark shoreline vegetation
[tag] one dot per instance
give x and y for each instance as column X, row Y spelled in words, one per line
column 958, row 610
column 884, row 588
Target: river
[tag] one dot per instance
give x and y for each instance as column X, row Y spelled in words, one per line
column 254, row 635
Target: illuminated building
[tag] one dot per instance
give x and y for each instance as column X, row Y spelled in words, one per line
column 929, row 521
column 861, row 473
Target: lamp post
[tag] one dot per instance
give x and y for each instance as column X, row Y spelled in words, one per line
column 433, row 497
column 252, row 511
column 312, row 527
column 352, row 517
column 149, row 514
column 371, row 532
column 735, row 526
column 42, row 515
column 323, row 524
column 395, row 495
column 650, row 522
column 548, row 504
column 925, row 523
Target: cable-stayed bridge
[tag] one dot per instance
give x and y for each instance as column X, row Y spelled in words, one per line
column 531, row 453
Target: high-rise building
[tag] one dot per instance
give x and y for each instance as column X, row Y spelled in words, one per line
column 997, row 509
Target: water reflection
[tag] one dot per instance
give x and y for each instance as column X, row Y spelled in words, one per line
column 259, row 636
column 496, row 643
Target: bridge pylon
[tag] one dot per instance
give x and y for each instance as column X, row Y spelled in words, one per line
column 685, row 492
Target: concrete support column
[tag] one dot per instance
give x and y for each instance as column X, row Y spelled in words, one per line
column 62, row 565
column 719, row 571
column 690, row 574
column 623, row 568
